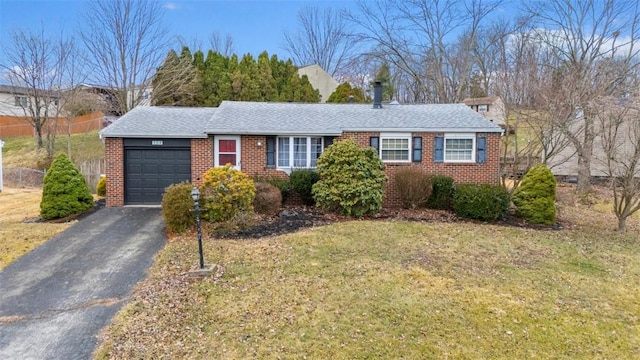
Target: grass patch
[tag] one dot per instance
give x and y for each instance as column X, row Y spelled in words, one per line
column 22, row 151
column 17, row 237
column 366, row 289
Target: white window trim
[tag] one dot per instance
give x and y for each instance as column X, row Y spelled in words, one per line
column 471, row 136
column 290, row 168
column 402, row 136
column 216, row 151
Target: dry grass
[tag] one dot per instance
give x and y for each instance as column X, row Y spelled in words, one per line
column 17, row 237
column 373, row 289
column 22, row 152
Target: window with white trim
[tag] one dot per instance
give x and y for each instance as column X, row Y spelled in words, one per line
column 299, row 151
column 395, row 147
column 459, row 147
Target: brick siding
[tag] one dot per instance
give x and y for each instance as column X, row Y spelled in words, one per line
column 253, row 163
column 114, row 171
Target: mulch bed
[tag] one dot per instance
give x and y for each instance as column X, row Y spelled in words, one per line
column 294, row 218
column 97, row 205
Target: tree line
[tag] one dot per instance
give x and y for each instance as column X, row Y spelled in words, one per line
column 195, row 80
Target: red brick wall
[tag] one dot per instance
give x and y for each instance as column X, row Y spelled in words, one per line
column 114, row 171
column 201, row 158
column 253, row 157
column 487, row 173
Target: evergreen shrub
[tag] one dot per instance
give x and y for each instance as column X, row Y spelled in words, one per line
column 414, row 187
column 535, row 196
column 101, row 187
column 178, row 207
column 481, row 202
column 351, row 179
column 268, row 198
column 302, row 181
column 65, row 191
column 283, row 184
column 225, row 193
column 442, row 193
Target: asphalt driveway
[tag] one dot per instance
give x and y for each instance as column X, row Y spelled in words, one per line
column 54, row 300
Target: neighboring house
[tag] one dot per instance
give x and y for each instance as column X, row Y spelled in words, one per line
column 150, row 148
column 564, row 163
column 490, row 107
column 320, row 80
column 15, row 120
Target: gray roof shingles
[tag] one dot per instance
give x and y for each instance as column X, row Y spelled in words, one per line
column 332, row 119
column 261, row 118
column 160, row 121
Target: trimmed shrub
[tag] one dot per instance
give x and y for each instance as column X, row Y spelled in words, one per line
column 268, row 198
column 351, row 179
column 414, row 187
column 442, row 193
column 302, row 181
column 535, row 197
column 101, row 187
column 178, row 207
column 481, row 202
column 64, row 191
column 225, row 192
column 284, row 185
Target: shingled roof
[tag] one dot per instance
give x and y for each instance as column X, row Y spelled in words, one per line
column 161, row 121
column 332, row 119
column 236, row 117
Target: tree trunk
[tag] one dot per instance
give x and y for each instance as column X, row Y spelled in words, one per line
column 38, row 127
column 622, row 224
column 584, row 167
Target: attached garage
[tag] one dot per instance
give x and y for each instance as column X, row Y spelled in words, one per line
column 150, row 165
column 150, row 148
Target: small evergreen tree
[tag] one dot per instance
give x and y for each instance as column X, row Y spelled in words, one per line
column 535, row 197
column 351, row 179
column 344, row 92
column 64, row 192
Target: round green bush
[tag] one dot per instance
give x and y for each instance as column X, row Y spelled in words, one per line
column 535, row 197
column 268, row 198
column 302, row 181
column 481, row 202
column 101, row 187
column 225, row 193
column 178, row 207
column 442, row 193
column 65, row 191
column 351, row 179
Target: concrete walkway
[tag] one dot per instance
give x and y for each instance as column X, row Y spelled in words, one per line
column 55, row 300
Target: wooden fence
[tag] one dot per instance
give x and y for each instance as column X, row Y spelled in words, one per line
column 12, row 126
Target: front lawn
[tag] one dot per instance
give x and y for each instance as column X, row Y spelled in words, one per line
column 392, row 289
column 18, row 237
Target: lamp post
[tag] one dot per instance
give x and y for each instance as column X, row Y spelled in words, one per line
column 195, row 195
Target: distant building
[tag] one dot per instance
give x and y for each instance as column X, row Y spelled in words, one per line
column 490, row 107
column 320, row 80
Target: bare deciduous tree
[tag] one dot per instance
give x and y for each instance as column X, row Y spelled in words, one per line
column 323, row 38
column 36, row 69
column 617, row 152
column 223, row 46
column 431, row 41
column 125, row 42
column 584, row 38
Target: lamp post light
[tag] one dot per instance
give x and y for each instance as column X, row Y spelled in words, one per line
column 195, row 195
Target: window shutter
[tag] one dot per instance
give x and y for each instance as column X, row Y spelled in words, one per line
column 374, row 142
column 417, row 149
column 328, row 141
column 271, row 151
column 481, row 149
column 438, row 149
